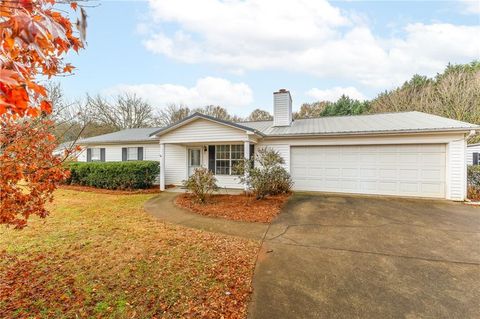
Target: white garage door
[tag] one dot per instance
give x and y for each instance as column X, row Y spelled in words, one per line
column 406, row 170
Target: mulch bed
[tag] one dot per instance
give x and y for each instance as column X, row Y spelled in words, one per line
column 152, row 190
column 236, row 207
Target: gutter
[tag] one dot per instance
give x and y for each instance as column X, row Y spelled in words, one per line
column 385, row 132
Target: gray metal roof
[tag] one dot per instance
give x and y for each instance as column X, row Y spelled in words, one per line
column 370, row 123
column 334, row 125
column 128, row 135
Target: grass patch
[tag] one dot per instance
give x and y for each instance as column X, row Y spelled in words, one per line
column 102, row 256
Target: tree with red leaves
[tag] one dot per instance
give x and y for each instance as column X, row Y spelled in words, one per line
column 34, row 37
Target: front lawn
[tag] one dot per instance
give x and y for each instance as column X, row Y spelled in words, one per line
column 102, row 256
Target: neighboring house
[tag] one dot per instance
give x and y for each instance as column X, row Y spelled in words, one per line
column 473, row 154
column 405, row 154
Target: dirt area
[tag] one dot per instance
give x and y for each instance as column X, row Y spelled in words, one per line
column 236, row 207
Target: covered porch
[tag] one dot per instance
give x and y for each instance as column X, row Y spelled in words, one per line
column 179, row 160
column 203, row 141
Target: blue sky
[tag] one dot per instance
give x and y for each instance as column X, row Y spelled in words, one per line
column 236, row 53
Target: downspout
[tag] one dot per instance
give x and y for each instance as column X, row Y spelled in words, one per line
column 469, row 135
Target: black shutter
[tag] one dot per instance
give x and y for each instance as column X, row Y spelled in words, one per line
column 102, row 155
column 124, row 154
column 252, row 154
column 89, row 154
column 476, row 158
column 140, row 153
column 211, row 158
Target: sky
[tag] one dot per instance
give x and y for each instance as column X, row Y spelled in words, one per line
column 236, row 53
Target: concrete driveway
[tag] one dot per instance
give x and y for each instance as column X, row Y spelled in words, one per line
column 336, row 256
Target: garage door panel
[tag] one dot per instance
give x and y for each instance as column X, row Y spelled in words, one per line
column 409, row 187
column 409, row 174
column 412, row 170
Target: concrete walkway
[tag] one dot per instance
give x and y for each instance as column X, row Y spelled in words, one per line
column 162, row 207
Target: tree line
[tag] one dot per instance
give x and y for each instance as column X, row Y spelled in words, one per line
column 454, row 93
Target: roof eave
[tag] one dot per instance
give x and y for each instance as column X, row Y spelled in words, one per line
column 386, row 132
column 149, row 141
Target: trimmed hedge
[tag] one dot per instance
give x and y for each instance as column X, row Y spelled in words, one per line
column 114, row 175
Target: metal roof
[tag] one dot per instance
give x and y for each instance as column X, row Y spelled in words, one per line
column 334, row 125
column 363, row 124
column 128, row 135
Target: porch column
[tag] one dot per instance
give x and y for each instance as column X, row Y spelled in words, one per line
column 246, row 152
column 162, row 166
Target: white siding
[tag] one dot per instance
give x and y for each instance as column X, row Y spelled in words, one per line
column 456, row 170
column 228, row 181
column 282, row 109
column 113, row 153
column 82, row 156
column 470, row 151
column 204, row 131
column 282, row 149
column 175, row 164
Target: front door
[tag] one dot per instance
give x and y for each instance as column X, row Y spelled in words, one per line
column 194, row 159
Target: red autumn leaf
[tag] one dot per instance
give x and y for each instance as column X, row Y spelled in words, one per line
column 33, row 40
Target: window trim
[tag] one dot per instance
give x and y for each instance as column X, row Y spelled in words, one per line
column 128, row 153
column 230, row 159
column 92, row 158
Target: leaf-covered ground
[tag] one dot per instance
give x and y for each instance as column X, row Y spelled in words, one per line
column 236, row 207
column 102, row 256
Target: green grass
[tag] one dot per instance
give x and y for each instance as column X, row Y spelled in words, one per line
column 102, row 256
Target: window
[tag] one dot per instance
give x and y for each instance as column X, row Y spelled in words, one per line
column 132, row 153
column 226, row 157
column 96, row 155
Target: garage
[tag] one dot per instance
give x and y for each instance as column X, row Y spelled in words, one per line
column 403, row 170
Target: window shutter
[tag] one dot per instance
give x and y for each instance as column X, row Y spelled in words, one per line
column 211, row 158
column 102, row 155
column 252, row 154
column 89, row 154
column 140, row 153
column 124, row 154
column 476, row 158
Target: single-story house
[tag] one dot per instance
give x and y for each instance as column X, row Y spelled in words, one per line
column 473, row 154
column 404, row 154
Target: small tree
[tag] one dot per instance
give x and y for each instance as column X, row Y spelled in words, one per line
column 202, row 183
column 265, row 174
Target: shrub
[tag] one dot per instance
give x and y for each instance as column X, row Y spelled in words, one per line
column 114, row 175
column 266, row 175
column 202, row 183
column 473, row 182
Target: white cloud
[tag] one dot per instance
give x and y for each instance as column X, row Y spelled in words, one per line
column 334, row 93
column 309, row 36
column 471, row 6
column 207, row 91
